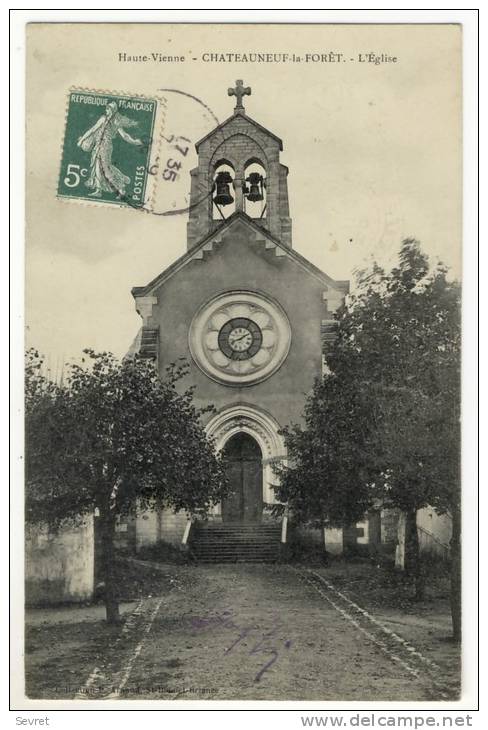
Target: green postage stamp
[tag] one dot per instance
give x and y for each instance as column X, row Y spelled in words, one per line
column 110, row 147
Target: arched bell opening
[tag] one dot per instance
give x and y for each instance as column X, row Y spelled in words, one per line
column 255, row 188
column 223, row 190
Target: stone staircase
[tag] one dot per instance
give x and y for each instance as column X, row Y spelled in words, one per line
column 233, row 542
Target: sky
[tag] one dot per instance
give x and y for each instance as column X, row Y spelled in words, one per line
column 373, row 151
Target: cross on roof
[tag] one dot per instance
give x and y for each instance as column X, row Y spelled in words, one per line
column 239, row 92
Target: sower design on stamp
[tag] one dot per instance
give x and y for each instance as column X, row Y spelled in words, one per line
column 108, row 147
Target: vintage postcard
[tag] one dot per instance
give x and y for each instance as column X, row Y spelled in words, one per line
column 243, row 276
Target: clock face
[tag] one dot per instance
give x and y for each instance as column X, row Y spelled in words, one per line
column 240, row 338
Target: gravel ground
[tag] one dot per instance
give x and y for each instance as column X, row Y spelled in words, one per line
column 246, row 632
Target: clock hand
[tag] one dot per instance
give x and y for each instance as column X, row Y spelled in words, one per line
column 237, row 339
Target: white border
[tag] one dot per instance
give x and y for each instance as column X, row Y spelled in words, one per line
column 350, row 15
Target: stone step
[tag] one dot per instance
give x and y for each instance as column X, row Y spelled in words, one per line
column 233, row 555
column 235, row 536
column 215, row 549
column 239, row 537
column 232, row 530
column 237, row 551
column 231, row 525
column 238, row 526
column 218, row 534
column 199, row 545
column 236, row 548
column 217, row 542
column 221, row 534
column 237, row 558
column 217, row 560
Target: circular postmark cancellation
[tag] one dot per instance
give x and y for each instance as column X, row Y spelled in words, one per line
column 133, row 151
column 188, row 120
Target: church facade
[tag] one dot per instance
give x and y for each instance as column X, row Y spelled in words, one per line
column 252, row 317
column 246, row 310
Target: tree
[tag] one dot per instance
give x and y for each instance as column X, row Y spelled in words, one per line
column 113, row 436
column 403, row 330
column 389, row 407
column 419, row 437
column 320, row 457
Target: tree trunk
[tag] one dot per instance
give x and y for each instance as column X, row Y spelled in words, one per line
column 413, row 564
column 456, row 574
column 325, row 554
column 107, row 525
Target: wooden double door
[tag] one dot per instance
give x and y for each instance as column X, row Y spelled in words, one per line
column 244, row 467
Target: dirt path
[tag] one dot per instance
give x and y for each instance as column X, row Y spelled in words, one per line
column 261, row 632
column 242, row 632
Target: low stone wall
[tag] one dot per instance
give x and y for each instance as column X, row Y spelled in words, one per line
column 152, row 527
column 376, row 534
column 315, row 536
column 434, row 532
column 59, row 566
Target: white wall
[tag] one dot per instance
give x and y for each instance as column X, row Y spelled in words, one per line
column 59, row 567
column 434, row 531
column 154, row 526
column 147, row 528
column 333, row 540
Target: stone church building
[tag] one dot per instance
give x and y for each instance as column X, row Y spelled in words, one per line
column 246, row 310
column 252, row 316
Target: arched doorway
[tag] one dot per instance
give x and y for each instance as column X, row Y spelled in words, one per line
column 243, row 462
column 243, row 418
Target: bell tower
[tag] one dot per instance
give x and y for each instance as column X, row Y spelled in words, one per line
column 239, row 172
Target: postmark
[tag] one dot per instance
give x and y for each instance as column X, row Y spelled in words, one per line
column 111, row 148
column 188, row 119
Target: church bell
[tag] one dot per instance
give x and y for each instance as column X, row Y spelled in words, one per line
column 256, row 184
column 223, row 195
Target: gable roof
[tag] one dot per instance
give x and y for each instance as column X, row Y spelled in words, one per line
column 236, row 115
column 206, row 244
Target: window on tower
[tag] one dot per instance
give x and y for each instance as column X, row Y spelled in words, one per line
column 255, row 189
column 223, row 193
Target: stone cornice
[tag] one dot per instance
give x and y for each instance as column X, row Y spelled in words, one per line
column 260, row 234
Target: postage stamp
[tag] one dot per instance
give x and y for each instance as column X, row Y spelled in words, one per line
column 110, row 148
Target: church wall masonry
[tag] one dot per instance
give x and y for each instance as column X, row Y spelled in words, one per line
column 240, row 264
column 241, row 259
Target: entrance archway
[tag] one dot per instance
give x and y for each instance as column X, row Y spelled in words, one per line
column 264, row 430
column 243, row 463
